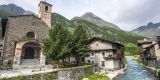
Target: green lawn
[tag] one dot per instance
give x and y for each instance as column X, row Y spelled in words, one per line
column 97, row 76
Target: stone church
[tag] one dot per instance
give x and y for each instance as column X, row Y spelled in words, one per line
column 22, row 36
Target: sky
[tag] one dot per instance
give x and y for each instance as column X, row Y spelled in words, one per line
column 127, row 14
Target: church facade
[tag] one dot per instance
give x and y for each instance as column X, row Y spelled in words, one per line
column 22, row 36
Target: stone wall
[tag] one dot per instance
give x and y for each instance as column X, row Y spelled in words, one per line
column 75, row 73
column 63, row 74
column 17, row 28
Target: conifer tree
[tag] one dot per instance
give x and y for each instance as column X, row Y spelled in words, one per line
column 80, row 46
column 57, row 45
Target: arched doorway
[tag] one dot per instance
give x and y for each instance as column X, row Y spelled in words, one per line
column 31, row 50
column 29, row 53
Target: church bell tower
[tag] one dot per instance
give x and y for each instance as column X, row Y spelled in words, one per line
column 45, row 12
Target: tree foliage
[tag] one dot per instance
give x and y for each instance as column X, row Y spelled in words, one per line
column 131, row 49
column 57, row 45
column 80, row 46
column 61, row 43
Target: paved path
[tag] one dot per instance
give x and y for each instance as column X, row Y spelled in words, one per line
column 13, row 73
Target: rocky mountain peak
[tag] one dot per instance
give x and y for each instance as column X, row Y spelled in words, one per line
column 12, row 4
column 149, row 30
column 91, row 17
column 89, row 14
column 150, row 24
column 14, row 9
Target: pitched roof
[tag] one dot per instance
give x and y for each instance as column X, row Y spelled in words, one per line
column 150, row 46
column 104, row 40
column 28, row 16
column 25, row 15
column 143, row 41
column 44, row 3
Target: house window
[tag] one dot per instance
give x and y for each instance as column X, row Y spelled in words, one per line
column 159, row 44
column 46, row 8
column 88, row 61
column 103, row 63
column 114, row 51
column 92, row 54
column 92, row 61
column 30, row 35
column 103, row 53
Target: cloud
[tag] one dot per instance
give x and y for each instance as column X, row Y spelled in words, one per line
column 128, row 14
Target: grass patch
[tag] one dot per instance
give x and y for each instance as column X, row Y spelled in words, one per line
column 131, row 49
column 97, row 76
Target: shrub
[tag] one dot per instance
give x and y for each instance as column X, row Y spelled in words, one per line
column 97, row 76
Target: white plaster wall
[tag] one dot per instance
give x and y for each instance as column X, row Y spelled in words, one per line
column 98, row 57
column 96, row 45
column 112, row 64
column 116, row 64
column 91, row 58
column 109, row 64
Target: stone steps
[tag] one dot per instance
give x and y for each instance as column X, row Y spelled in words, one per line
column 30, row 63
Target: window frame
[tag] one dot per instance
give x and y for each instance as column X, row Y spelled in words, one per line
column 93, row 62
column 46, row 8
column 89, row 61
column 30, row 35
column 103, row 54
column 92, row 54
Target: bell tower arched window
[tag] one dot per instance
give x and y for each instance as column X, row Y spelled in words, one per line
column 46, row 8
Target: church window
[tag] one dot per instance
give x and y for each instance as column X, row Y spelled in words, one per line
column 30, row 35
column 46, row 8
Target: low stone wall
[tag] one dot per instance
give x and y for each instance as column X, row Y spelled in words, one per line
column 78, row 72
column 75, row 73
column 153, row 70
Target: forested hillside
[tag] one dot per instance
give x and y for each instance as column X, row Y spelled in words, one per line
column 105, row 32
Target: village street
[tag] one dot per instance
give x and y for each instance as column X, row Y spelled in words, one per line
column 59, row 40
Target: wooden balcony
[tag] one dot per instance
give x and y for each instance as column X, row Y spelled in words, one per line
column 114, row 57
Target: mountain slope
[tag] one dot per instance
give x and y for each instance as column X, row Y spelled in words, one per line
column 150, row 30
column 105, row 32
column 4, row 13
column 94, row 25
column 12, row 10
column 95, row 19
